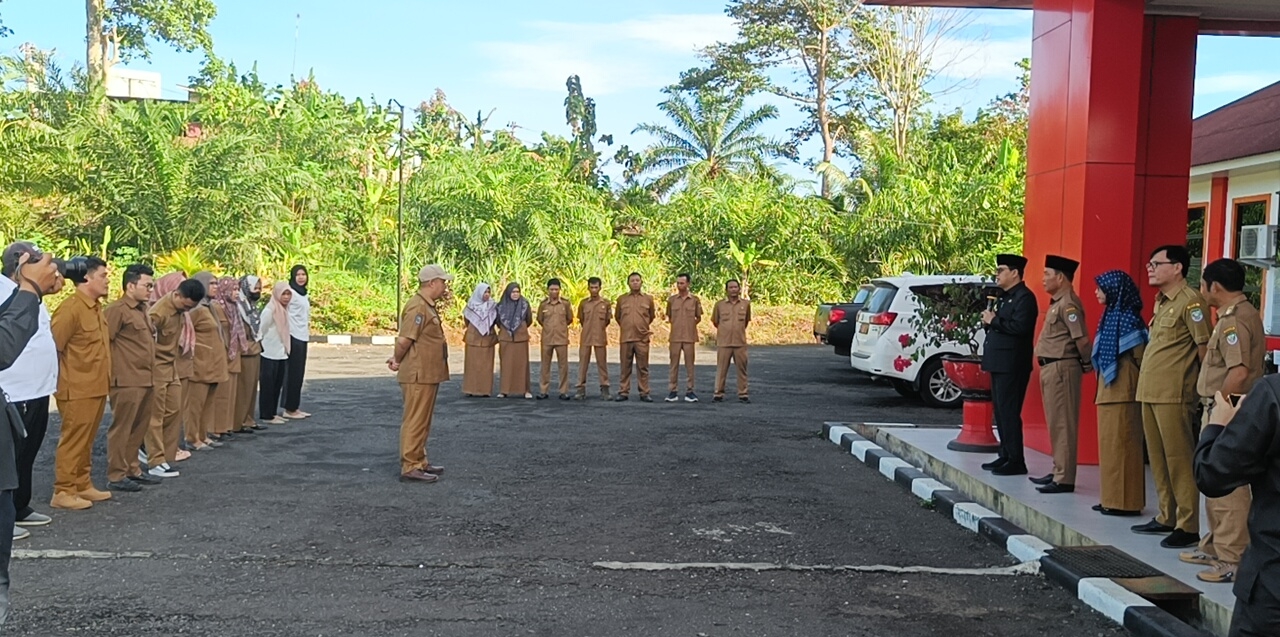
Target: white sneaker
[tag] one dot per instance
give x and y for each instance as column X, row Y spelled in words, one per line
column 20, row 533
column 163, row 471
column 35, row 519
column 142, row 457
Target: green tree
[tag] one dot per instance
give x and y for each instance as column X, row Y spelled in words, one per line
column 711, row 136
column 117, row 30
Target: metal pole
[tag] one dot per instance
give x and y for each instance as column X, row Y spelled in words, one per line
column 400, row 221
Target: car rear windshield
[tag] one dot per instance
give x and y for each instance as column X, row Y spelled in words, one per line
column 861, row 296
column 881, row 298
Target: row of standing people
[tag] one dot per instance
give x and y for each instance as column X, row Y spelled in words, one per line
column 1154, row 377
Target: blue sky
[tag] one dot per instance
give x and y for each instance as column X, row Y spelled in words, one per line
column 514, row 55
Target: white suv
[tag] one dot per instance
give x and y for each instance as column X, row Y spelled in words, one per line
column 878, row 351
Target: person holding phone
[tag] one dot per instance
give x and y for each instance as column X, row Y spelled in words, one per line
column 1233, row 362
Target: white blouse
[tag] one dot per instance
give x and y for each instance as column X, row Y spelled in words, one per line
column 269, row 336
column 300, row 317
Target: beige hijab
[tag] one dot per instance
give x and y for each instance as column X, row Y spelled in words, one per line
column 280, row 312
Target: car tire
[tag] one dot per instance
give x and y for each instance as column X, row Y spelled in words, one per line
column 905, row 388
column 936, row 388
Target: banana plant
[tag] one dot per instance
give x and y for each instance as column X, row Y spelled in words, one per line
column 748, row 259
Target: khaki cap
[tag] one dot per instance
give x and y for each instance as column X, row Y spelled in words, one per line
column 433, row 272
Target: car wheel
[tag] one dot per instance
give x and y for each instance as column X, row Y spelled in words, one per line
column 936, row 388
column 905, row 388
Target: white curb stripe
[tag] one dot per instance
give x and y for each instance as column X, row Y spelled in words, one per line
column 861, row 447
column 339, row 339
column 1027, row 548
column 891, row 464
column 835, row 433
column 384, row 340
column 925, row 487
column 967, row 514
column 1108, row 597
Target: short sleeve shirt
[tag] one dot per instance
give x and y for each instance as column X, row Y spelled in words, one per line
column 731, row 319
column 595, row 315
column 84, row 353
column 684, row 314
column 427, row 361
column 133, row 343
column 1171, row 365
column 555, row 318
column 1064, row 327
column 635, row 316
column 1237, row 340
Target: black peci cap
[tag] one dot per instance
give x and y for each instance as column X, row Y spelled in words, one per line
column 1012, row 261
column 1062, row 264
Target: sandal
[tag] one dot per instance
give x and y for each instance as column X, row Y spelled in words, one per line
column 182, row 454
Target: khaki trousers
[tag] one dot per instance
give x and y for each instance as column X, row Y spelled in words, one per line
column 419, row 406
column 224, row 406
column 738, row 355
column 1228, row 519
column 131, row 409
column 687, row 350
column 602, row 365
column 72, row 462
column 637, row 351
column 166, row 424
column 1060, row 391
column 1124, row 479
column 561, row 353
column 246, row 392
column 1170, row 446
column 197, row 411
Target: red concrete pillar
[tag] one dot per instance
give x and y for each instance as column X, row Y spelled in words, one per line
column 1109, row 153
column 1215, row 221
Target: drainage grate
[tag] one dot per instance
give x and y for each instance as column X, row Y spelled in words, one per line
column 1101, row 561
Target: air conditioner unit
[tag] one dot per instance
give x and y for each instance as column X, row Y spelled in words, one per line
column 1257, row 243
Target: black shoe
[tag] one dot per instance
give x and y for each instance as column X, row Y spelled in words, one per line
column 646, row 399
column 1042, row 480
column 1054, row 487
column 622, row 398
column 543, row 396
column 1151, row 528
column 1011, row 469
column 246, row 430
column 1097, row 507
column 1180, row 539
column 994, row 464
column 143, row 478
column 717, row 399
column 564, row 396
column 1120, row 513
column 125, row 485
column 743, row 399
column 673, row 397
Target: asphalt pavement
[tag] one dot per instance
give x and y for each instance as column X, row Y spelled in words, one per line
column 552, row 518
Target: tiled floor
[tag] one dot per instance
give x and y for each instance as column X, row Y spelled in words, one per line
column 1072, row 510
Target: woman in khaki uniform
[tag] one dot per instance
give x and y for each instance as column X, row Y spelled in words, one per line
column 514, row 317
column 226, row 310
column 251, row 359
column 209, row 369
column 480, row 316
column 1117, row 354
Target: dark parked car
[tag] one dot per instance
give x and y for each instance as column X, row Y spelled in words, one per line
column 835, row 323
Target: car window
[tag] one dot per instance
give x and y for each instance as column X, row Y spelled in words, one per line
column 861, row 296
column 881, row 298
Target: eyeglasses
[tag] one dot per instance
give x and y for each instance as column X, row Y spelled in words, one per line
column 1151, row 265
column 1002, row 269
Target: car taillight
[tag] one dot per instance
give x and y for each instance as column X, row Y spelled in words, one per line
column 883, row 318
column 836, row 316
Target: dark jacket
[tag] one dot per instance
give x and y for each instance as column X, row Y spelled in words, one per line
column 1011, row 336
column 19, row 318
column 1247, row 452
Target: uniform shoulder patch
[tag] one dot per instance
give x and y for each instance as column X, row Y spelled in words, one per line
column 1233, row 338
column 1197, row 314
column 417, row 320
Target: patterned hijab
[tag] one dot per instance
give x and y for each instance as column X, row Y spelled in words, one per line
column 165, row 286
column 481, row 313
column 248, row 306
column 1122, row 327
column 237, row 344
column 511, row 314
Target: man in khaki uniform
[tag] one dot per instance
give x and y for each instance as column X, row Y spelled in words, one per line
column 165, row 431
column 421, row 363
column 684, row 312
column 594, row 316
column 555, row 315
column 731, row 317
column 1233, row 362
column 1063, row 351
column 1167, row 391
column 636, row 311
column 133, row 345
column 84, row 377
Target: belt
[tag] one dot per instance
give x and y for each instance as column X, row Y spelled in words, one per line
column 1050, row 361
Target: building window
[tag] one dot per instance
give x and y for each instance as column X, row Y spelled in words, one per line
column 1195, row 241
column 1251, row 212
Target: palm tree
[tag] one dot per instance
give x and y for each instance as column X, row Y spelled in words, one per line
column 712, row 137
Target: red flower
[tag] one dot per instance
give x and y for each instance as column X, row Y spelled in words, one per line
column 901, row 364
column 948, row 324
column 904, row 340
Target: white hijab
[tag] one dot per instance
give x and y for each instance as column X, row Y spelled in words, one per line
column 480, row 313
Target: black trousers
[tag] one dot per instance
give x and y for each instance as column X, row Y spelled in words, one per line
column 270, row 380
column 35, row 417
column 1008, row 391
column 1259, row 618
column 6, row 547
column 294, row 374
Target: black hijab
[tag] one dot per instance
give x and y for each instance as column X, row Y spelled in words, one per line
column 293, row 279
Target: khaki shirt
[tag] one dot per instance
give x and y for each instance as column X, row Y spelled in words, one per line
column 1171, row 364
column 685, row 314
column 731, row 319
column 555, row 317
column 1064, row 334
column 224, row 324
column 133, row 343
column 1237, row 340
column 168, row 322
column 594, row 315
column 635, row 314
column 84, row 354
column 1125, row 386
column 427, row 361
column 473, row 337
column 211, row 351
